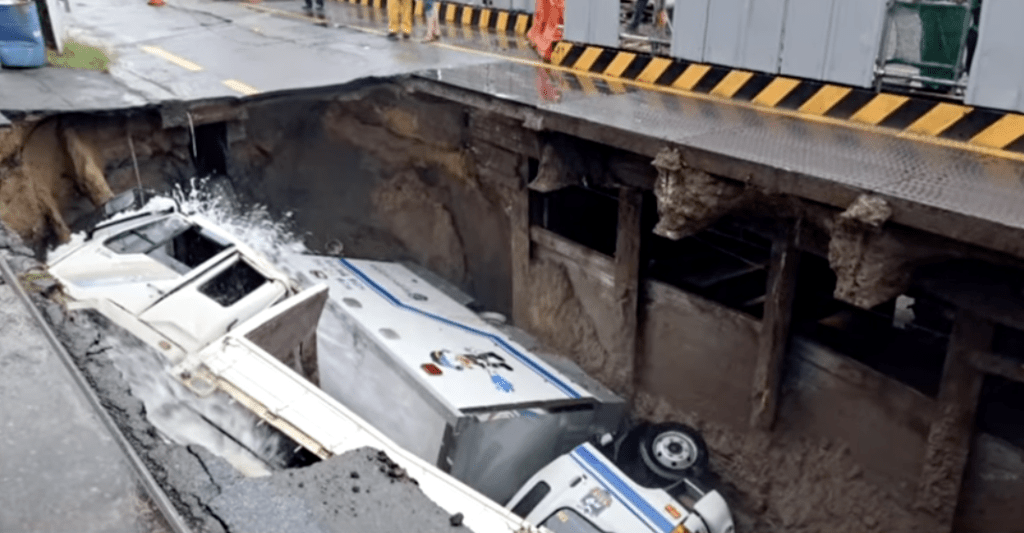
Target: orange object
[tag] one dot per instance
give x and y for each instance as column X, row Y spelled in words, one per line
column 546, row 31
column 156, row 3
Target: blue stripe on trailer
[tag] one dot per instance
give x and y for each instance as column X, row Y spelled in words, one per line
column 620, row 489
column 531, row 364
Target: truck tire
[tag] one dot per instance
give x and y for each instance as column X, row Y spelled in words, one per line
column 673, row 451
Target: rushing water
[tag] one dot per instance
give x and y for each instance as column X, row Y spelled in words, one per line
column 216, row 422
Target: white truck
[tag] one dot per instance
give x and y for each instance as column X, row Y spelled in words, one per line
column 476, row 418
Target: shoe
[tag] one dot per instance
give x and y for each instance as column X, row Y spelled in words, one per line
column 406, row 36
column 392, row 36
column 431, row 38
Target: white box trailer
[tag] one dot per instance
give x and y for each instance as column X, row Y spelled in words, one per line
column 443, row 382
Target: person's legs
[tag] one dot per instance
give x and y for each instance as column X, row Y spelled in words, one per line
column 394, row 13
column 433, row 21
column 539, row 20
column 638, row 13
column 407, row 6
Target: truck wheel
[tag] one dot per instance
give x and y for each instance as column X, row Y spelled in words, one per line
column 673, row 451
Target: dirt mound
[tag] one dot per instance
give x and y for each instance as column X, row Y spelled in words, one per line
column 783, row 483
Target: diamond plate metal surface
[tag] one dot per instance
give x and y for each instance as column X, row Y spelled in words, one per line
column 944, row 177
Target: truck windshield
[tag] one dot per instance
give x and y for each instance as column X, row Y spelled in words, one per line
column 171, row 241
column 566, row 520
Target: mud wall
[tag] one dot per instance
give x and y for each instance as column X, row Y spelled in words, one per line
column 56, row 170
column 884, row 422
column 388, row 176
column 846, row 453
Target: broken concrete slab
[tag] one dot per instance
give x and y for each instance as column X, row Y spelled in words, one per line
column 358, row 492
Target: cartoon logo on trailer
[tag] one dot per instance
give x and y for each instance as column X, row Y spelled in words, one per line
column 489, row 362
column 596, row 501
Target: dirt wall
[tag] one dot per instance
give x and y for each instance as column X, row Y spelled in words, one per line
column 390, row 177
column 884, row 422
column 570, row 309
column 56, row 170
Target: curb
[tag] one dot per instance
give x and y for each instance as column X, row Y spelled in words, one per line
column 484, row 18
column 911, row 114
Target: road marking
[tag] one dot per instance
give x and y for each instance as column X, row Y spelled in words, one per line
column 177, row 60
column 241, row 87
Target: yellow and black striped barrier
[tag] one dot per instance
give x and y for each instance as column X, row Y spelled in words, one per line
column 943, row 120
column 455, row 13
column 917, row 115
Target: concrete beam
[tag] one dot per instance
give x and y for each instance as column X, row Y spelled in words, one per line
column 775, row 324
column 177, row 114
column 627, row 284
column 519, row 228
column 990, row 363
column 960, row 227
column 949, row 439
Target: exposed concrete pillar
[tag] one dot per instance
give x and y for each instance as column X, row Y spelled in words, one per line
column 949, row 440
column 775, row 324
column 627, row 285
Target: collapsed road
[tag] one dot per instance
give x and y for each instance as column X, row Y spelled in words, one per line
column 833, row 297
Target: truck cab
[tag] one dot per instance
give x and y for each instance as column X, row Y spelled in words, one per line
column 584, row 491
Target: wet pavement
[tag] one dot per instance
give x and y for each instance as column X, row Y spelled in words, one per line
column 943, row 177
column 196, row 50
column 60, row 470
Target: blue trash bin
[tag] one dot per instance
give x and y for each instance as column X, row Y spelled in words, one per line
column 21, row 36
